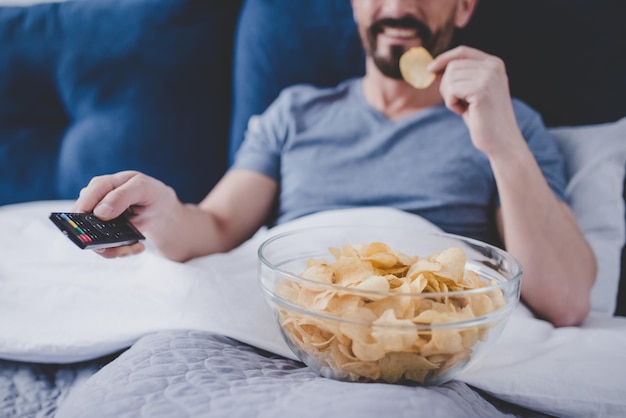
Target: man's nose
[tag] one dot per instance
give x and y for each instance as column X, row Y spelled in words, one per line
column 397, row 8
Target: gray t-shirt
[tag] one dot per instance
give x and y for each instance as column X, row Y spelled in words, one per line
column 329, row 149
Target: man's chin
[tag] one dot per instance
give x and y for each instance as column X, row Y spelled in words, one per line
column 389, row 69
column 389, row 65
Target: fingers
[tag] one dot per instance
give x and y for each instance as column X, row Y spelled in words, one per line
column 461, row 84
column 474, row 85
column 470, row 77
column 441, row 61
column 122, row 251
column 109, row 196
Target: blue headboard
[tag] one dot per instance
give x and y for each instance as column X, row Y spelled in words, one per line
column 92, row 87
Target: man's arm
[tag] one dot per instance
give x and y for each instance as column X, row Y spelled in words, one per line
column 538, row 229
column 543, row 234
column 232, row 212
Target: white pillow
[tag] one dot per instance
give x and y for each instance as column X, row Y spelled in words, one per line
column 596, row 161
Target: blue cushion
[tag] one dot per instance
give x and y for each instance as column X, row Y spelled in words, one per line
column 32, row 118
column 93, row 87
column 283, row 42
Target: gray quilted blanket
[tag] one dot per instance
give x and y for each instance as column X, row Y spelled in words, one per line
column 198, row 374
column 36, row 390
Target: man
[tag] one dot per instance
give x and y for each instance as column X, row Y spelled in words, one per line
column 460, row 153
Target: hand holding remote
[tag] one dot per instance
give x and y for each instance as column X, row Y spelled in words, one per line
column 230, row 214
column 150, row 201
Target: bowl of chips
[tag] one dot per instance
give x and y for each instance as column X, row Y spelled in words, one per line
column 392, row 305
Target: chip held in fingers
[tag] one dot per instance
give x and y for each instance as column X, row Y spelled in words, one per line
column 413, row 65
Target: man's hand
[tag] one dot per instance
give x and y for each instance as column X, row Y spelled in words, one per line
column 475, row 85
column 150, row 202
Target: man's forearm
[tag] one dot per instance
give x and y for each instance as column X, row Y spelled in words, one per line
column 541, row 231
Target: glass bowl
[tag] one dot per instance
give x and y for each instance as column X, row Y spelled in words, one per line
column 414, row 320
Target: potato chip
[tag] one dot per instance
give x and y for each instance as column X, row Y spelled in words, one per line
column 481, row 304
column 343, row 303
column 401, row 306
column 368, row 351
column 394, row 334
column 310, row 333
column 413, row 65
column 428, row 265
column 471, row 280
column 351, row 270
column 405, row 366
column 341, row 352
column 321, row 300
column 345, row 251
column 374, row 284
column 469, row 337
column 452, row 261
column 321, row 272
column 380, row 255
column 363, row 369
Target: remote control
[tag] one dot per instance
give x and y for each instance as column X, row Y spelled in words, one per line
column 89, row 232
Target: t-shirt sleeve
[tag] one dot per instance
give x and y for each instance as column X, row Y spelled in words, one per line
column 261, row 148
column 544, row 147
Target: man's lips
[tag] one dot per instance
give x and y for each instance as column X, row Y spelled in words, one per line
column 399, row 30
column 401, row 33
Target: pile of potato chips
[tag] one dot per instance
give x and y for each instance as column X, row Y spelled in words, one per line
column 384, row 317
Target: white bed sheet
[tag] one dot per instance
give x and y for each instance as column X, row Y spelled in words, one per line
column 60, row 304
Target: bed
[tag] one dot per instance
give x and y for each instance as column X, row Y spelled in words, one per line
column 145, row 336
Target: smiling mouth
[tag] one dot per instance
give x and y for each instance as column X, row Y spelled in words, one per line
column 402, row 33
column 404, row 29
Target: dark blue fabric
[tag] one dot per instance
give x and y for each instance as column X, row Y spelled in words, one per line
column 284, row 42
column 566, row 58
column 32, row 118
column 96, row 86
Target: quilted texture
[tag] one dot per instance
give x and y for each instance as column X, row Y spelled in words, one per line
column 92, row 87
column 198, row 374
column 37, row 390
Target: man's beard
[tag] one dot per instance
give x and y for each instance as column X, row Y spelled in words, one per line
column 389, row 65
